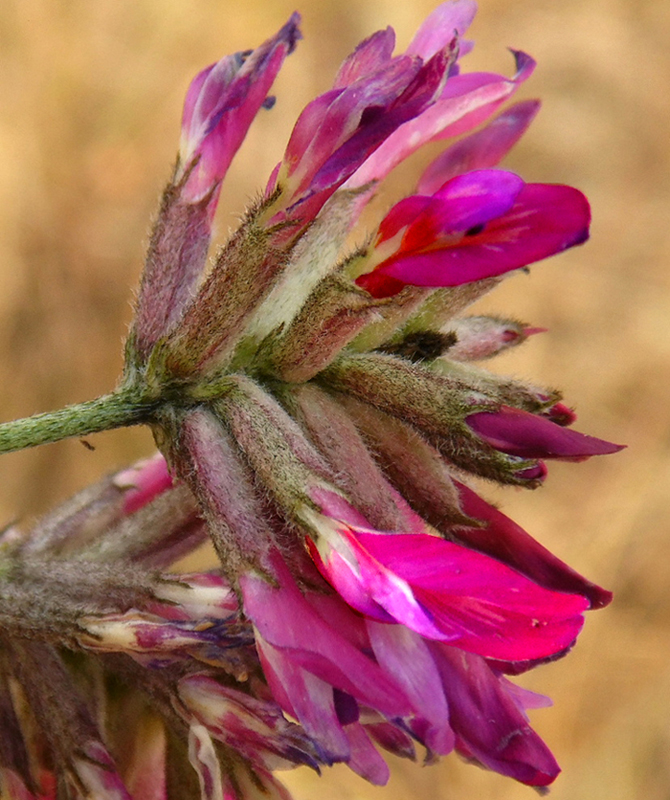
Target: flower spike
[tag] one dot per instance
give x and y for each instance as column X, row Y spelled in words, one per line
column 321, row 418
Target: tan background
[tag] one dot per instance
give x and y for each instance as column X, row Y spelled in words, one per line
column 90, row 96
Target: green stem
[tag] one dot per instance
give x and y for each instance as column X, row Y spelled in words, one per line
column 116, row 410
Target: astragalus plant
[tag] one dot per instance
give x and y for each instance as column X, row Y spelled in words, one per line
column 322, row 416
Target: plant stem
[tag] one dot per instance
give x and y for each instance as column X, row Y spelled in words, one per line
column 115, row 410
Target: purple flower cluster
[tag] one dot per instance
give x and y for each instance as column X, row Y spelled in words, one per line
column 320, row 417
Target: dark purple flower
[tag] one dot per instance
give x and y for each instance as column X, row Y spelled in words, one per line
column 526, row 435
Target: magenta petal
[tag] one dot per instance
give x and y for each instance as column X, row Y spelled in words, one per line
column 332, row 118
column 525, row 699
column 488, row 723
column 375, row 120
column 306, row 128
column 333, row 505
column 253, row 727
column 376, row 591
column 365, row 759
column 220, row 105
column 351, row 586
column 479, row 94
column 329, row 606
column 405, row 654
column 449, row 19
column 544, row 220
column 461, row 203
column 466, row 101
column 537, row 473
column 520, row 433
column 286, row 621
column 371, row 55
column 503, row 539
column 483, row 605
column 465, row 202
column 205, row 93
column 480, row 150
column 379, row 285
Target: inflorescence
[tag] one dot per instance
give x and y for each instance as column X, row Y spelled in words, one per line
column 321, row 417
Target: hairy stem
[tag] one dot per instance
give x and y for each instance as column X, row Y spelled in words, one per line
column 118, row 409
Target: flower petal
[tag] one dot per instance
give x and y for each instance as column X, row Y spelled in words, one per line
column 365, row 759
column 480, row 150
column 144, row 481
column 465, row 102
column 370, row 56
column 544, row 220
column 527, row 435
column 465, row 202
column 286, row 621
column 358, row 121
column 307, row 698
column 503, row 539
column 405, row 654
column 449, row 19
column 478, row 603
column 364, row 582
column 221, row 104
column 489, row 725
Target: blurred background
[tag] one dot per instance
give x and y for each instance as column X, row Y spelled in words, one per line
column 90, row 102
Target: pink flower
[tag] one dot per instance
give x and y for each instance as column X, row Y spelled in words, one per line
column 478, row 225
column 505, row 540
column 331, row 668
column 374, row 93
column 221, row 104
column 309, row 645
column 448, row 593
column 318, row 410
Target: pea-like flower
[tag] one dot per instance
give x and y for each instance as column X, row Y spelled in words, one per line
column 322, row 418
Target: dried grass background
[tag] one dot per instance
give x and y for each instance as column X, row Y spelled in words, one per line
column 90, row 99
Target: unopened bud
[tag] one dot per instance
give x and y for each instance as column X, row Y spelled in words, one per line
column 478, row 338
column 519, row 433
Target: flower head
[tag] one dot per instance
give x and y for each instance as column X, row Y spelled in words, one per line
column 319, row 417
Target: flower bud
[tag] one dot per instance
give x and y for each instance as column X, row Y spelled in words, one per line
column 478, row 338
column 519, row 433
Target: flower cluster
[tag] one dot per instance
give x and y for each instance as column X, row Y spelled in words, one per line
column 320, row 418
